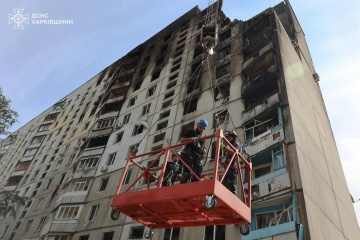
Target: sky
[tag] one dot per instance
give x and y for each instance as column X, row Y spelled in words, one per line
column 42, row 63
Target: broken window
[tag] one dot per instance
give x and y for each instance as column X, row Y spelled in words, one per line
column 30, row 152
column 172, row 233
column 137, row 129
column 159, row 137
column 138, row 83
column 142, row 71
column 103, row 184
column 118, row 137
column 225, row 35
column 132, row 101
column 98, row 142
column 136, row 232
column 146, row 109
column 186, row 127
column 178, row 53
column 223, row 118
column 38, row 139
column 126, row 118
column 222, row 70
column 44, row 127
column 224, row 53
column 162, row 125
column 160, row 61
column 198, row 51
column 88, row 163
column 51, row 117
column 222, row 92
column 169, row 94
column 163, row 49
column 164, row 114
column 155, row 75
column 174, row 76
column 105, row 123
column 190, row 106
column 174, row 68
column 219, row 232
column 263, row 124
column 167, row 37
column 180, row 47
column 166, row 104
column 151, row 91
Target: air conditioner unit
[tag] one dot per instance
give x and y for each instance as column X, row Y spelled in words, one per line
column 104, row 168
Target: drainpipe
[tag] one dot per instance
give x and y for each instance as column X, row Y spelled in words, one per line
column 301, row 232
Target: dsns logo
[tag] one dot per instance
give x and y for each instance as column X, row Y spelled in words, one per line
column 18, row 18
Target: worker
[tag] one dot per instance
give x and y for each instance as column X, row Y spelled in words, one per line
column 231, row 175
column 172, row 170
column 193, row 152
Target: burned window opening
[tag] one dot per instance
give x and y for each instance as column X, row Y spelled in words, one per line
column 224, row 53
column 185, row 128
column 163, row 49
column 222, row 70
column 155, row 75
column 174, row 76
column 270, row 119
column 178, row 53
column 142, row 71
column 222, row 92
column 167, row 37
column 160, row 61
column 138, row 84
column 258, row 88
column 182, row 40
column 180, row 47
column 190, row 106
column 175, row 68
column 225, row 35
column 177, row 61
column 255, row 25
column 198, row 51
column 98, row 142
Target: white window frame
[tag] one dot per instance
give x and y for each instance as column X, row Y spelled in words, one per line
column 111, row 159
column 68, row 212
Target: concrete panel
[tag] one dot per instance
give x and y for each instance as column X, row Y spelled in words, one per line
column 349, row 223
column 321, row 227
column 321, row 194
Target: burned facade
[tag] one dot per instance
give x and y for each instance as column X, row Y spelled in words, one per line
column 260, row 81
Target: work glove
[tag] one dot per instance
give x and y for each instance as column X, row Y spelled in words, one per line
column 222, row 146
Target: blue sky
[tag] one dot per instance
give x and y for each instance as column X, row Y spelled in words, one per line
column 42, row 63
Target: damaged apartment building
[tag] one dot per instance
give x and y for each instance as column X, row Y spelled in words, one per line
column 259, row 80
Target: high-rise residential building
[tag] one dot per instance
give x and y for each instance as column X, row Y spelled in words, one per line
column 259, row 80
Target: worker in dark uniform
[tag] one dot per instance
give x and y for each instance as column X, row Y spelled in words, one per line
column 172, row 171
column 193, row 152
column 231, row 175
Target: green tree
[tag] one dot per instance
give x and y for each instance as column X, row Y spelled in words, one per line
column 8, row 116
column 8, row 200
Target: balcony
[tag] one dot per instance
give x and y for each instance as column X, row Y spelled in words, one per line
column 84, row 173
column 114, row 99
column 260, row 106
column 281, row 226
column 72, row 197
column 60, row 226
column 270, row 184
column 265, row 140
column 101, row 132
